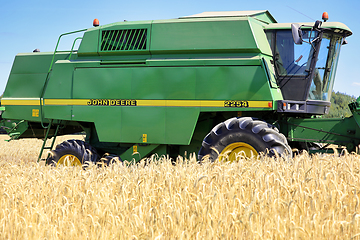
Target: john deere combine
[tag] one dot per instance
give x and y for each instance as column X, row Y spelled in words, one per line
column 215, row 83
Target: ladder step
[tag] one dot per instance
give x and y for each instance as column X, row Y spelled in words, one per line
column 47, row 137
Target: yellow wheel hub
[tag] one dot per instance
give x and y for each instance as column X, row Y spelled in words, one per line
column 235, row 150
column 69, row 160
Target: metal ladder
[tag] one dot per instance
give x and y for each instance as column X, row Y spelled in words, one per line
column 47, row 137
column 43, row 93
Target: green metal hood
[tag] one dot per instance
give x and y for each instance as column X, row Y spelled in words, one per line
column 231, row 31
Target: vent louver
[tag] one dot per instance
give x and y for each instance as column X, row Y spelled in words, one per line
column 123, row 40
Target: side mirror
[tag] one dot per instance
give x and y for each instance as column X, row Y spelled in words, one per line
column 344, row 42
column 296, row 33
column 317, row 24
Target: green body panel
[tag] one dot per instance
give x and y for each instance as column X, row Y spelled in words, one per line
column 128, row 123
column 90, row 43
column 20, row 112
column 58, row 112
column 165, row 83
column 62, row 87
column 28, row 74
column 209, row 35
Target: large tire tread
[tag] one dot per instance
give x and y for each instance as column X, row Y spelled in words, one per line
column 266, row 137
column 82, row 150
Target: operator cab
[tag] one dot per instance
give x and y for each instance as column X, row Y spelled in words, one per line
column 305, row 67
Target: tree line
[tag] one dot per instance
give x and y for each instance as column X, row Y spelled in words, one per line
column 339, row 105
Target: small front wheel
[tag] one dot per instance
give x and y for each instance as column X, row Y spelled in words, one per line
column 243, row 136
column 72, row 153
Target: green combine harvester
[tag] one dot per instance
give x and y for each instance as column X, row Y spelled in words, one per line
column 216, row 83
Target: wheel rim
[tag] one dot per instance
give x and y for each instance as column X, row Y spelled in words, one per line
column 234, row 150
column 69, row 160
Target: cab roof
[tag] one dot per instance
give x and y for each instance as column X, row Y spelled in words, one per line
column 262, row 15
column 334, row 25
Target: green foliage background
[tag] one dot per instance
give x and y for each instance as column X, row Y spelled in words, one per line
column 339, row 105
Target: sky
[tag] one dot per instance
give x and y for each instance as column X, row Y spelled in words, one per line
column 30, row 24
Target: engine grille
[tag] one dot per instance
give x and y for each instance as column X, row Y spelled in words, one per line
column 123, row 40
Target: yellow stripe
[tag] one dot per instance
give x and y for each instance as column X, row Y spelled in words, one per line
column 151, row 103
column 142, row 103
column 180, row 103
column 260, row 104
column 20, row 101
column 212, row 103
column 79, row 102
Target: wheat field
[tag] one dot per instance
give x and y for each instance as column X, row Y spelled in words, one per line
column 310, row 197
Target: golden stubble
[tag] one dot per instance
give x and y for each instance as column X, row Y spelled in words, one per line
column 310, row 197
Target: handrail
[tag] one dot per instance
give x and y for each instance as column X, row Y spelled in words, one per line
column 72, row 48
column 48, row 73
column 57, row 44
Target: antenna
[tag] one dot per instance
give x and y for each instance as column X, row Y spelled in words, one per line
column 301, row 13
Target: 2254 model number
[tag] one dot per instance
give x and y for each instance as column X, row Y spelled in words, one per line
column 237, row 104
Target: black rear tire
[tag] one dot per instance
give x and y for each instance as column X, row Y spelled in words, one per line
column 109, row 159
column 72, row 152
column 255, row 135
